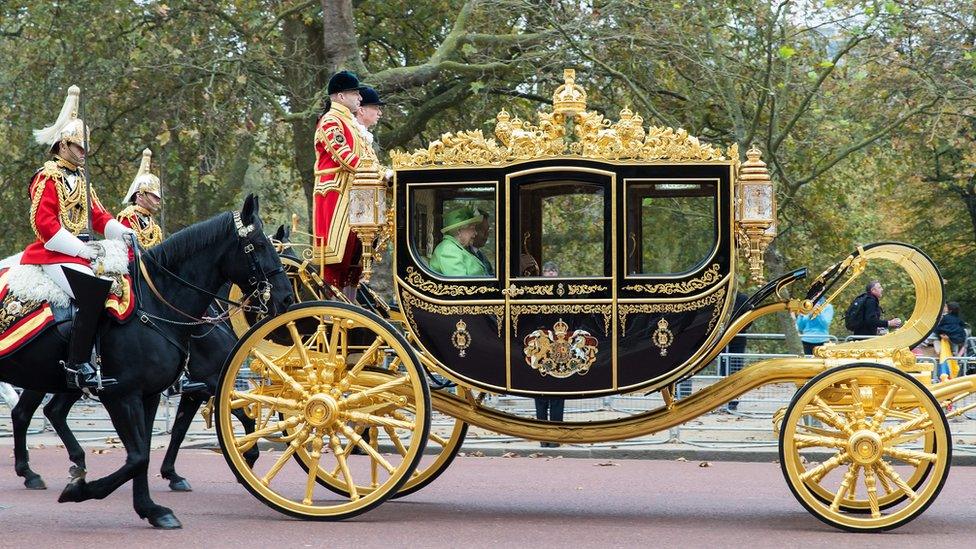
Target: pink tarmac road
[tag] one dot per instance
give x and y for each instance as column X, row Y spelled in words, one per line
column 478, row 502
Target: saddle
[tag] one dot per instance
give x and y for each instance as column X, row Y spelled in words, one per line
column 30, row 302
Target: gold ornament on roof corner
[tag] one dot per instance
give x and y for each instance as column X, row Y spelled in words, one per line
column 755, row 212
column 595, row 137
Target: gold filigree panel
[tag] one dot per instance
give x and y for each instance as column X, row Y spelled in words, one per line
column 410, row 302
column 579, row 289
column 562, row 309
column 714, row 300
column 419, row 282
column 709, row 277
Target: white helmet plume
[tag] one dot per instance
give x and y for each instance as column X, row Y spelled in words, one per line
column 69, row 112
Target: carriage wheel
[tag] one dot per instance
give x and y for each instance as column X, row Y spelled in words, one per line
column 428, row 469
column 312, row 397
column 886, row 441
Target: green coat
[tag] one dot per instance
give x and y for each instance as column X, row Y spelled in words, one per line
column 451, row 259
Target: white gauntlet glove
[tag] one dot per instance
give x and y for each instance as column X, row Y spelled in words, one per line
column 91, row 251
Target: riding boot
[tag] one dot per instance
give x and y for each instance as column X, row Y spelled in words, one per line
column 90, row 293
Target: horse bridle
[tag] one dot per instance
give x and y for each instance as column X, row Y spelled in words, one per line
column 259, row 280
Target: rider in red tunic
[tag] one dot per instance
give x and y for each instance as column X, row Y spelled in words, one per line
column 338, row 148
column 141, row 203
column 59, row 214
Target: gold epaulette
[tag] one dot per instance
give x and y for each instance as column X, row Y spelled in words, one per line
column 52, row 170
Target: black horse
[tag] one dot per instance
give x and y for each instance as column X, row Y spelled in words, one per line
column 209, row 346
column 184, row 274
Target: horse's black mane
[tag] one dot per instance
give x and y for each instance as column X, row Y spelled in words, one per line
column 191, row 240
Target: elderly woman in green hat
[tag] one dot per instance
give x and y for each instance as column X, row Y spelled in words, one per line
column 453, row 256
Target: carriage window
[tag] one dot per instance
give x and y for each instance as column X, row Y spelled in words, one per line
column 671, row 227
column 561, row 229
column 453, row 230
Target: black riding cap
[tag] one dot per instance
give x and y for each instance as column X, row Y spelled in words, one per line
column 370, row 97
column 344, row 81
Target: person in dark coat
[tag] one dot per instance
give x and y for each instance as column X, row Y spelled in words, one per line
column 873, row 313
column 952, row 326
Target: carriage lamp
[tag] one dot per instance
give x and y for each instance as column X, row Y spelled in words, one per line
column 755, row 212
column 367, row 210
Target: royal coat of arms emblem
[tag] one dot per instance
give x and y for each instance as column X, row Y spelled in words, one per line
column 558, row 353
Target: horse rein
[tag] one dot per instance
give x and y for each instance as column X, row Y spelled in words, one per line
column 262, row 287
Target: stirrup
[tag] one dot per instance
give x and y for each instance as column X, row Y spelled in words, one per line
column 83, row 377
column 185, row 385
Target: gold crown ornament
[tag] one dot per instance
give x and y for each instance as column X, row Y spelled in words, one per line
column 68, row 128
column 145, row 181
column 569, row 98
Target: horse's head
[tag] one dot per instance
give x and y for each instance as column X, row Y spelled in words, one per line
column 254, row 265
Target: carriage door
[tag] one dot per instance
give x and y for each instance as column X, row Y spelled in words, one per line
column 559, row 281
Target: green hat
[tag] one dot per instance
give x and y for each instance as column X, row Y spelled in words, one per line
column 459, row 217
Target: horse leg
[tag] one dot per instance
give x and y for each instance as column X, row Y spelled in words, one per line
column 184, row 416
column 56, row 411
column 20, row 417
column 157, row 515
column 251, row 455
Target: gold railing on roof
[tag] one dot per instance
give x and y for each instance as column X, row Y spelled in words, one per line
column 592, row 136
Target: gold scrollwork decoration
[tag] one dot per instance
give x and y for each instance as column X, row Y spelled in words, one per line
column 410, row 302
column 714, row 300
column 709, row 277
column 904, row 358
column 419, row 282
column 562, row 309
column 579, row 289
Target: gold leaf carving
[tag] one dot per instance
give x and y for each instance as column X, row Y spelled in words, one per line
column 576, row 308
column 419, row 282
column 410, row 302
column 595, row 137
column 707, row 278
column 578, row 289
column 715, row 300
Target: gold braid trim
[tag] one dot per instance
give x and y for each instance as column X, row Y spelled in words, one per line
column 72, row 206
column 36, row 202
column 151, row 234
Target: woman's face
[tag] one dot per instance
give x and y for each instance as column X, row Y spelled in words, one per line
column 466, row 234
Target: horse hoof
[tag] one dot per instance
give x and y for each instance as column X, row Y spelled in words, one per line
column 77, row 473
column 166, row 522
column 73, row 492
column 35, row 483
column 180, row 485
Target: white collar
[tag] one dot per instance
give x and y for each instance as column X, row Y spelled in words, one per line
column 367, row 135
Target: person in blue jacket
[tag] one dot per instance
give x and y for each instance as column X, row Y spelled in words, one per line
column 815, row 331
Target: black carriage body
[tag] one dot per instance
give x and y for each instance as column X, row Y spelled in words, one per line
column 611, row 328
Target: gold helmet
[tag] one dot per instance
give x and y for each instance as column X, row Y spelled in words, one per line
column 68, row 128
column 144, row 182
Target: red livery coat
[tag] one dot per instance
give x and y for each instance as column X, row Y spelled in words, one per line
column 338, row 148
column 55, row 206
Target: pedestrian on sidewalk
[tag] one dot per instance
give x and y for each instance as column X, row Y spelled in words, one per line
column 815, row 330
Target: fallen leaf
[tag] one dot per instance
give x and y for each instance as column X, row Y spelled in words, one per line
column 477, row 454
column 682, row 458
column 537, row 455
column 704, row 464
column 100, row 450
column 112, row 440
column 510, row 455
column 606, row 464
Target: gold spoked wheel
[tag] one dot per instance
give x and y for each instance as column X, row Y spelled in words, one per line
column 313, row 397
column 444, row 442
column 865, row 447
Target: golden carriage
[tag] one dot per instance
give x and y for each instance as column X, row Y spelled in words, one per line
column 344, row 389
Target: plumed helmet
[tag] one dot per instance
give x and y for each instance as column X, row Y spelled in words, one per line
column 68, row 127
column 144, row 181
